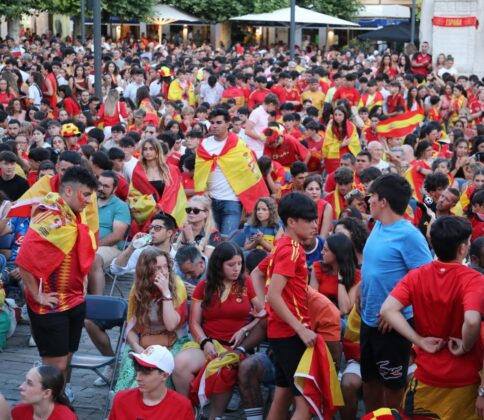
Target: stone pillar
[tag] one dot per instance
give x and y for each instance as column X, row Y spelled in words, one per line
column 322, row 33
column 221, row 32
column 299, row 39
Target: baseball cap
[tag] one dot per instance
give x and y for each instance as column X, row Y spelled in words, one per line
column 69, row 130
column 271, row 134
column 165, row 71
column 155, row 356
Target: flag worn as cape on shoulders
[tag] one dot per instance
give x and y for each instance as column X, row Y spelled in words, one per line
column 53, row 232
column 317, row 381
column 144, row 200
column 239, row 165
column 332, row 151
column 34, row 195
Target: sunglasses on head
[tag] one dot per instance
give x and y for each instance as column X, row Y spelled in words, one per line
column 193, row 210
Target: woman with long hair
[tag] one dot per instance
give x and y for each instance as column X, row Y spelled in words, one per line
column 357, row 231
column 42, row 396
column 155, row 185
column 111, row 112
column 337, row 275
column 113, row 70
column 413, row 102
column 219, row 319
column 458, row 103
column 386, row 67
column 79, row 82
column 14, row 109
column 49, row 89
column 36, row 81
column 68, row 102
column 341, row 137
column 6, row 94
column 420, row 168
column 460, row 156
column 144, row 102
column 404, row 64
column 157, row 311
column 263, row 228
column 199, row 228
column 313, row 187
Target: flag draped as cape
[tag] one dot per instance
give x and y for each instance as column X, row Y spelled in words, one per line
column 144, row 200
column 239, row 165
column 332, row 151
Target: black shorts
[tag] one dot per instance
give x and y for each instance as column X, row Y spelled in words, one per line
column 287, row 353
column 57, row 334
column 384, row 357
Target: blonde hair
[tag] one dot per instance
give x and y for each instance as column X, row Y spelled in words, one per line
column 209, row 225
column 111, row 102
column 162, row 165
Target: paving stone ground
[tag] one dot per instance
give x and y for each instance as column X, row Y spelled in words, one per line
column 18, row 358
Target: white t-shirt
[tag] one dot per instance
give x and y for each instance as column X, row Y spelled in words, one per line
column 452, row 71
column 128, row 168
column 382, row 165
column 218, row 184
column 260, row 118
column 35, row 95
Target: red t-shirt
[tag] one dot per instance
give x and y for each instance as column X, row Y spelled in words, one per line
column 187, row 181
column 393, row 102
column 328, row 282
column 477, row 227
column 129, row 405
column 26, row 412
column 419, row 58
column 122, row 189
column 476, row 107
column 257, row 97
column 351, row 94
column 289, row 260
column 280, row 91
column 330, row 184
column 220, row 320
column 440, row 293
column 288, row 152
column 278, row 173
column 71, row 106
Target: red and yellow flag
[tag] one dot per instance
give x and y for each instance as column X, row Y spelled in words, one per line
column 351, row 339
column 394, row 414
column 53, row 232
column 144, row 200
column 400, row 125
column 26, row 204
column 239, row 165
column 317, row 380
column 332, row 150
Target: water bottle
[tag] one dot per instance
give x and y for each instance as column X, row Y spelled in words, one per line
column 141, row 242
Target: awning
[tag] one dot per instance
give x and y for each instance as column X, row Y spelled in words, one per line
column 162, row 14
column 304, row 18
column 394, row 33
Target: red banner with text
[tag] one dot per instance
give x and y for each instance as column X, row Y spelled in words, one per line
column 455, row 22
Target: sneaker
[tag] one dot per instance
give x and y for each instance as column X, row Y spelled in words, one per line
column 68, row 391
column 32, row 342
column 234, row 402
column 107, row 373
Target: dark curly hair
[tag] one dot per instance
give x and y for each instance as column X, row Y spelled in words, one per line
column 358, row 230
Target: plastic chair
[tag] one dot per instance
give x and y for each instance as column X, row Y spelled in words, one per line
column 113, row 310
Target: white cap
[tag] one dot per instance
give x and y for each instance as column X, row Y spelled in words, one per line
column 155, row 357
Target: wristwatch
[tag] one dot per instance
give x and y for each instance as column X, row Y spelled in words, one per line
column 167, row 297
column 480, row 392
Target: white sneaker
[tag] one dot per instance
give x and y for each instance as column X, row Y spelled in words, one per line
column 108, row 373
column 32, row 342
column 69, row 392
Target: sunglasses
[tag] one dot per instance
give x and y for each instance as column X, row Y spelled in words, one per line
column 193, row 210
column 156, row 228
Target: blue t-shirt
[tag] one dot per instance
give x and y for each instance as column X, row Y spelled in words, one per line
column 391, row 251
column 315, row 254
column 19, row 227
column 268, row 233
column 115, row 210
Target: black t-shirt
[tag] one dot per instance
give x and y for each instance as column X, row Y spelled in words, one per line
column 14, row 188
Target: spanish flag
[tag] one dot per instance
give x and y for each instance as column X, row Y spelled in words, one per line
column 416, row 179
column 25, row 205
column 465, row 200
column 316, row 379
column 370, row 101
column 351, row 339
column 400, row 125
column 332, row 151
column 239, row 165
column 144, row 200
column 337, row 202
column 394, row 414
column 53, row 233
column 218, row 376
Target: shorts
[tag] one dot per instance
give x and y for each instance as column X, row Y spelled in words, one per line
column 57, row 334
column 446, row 403
column 287, row 354
column 384, row 357
column 108, row 254
column 352, row 367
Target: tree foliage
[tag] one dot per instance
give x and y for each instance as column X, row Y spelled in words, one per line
column 221, row 10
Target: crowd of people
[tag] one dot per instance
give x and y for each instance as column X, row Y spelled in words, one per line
column 278, row 230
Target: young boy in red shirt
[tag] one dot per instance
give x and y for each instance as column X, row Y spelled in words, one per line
column 288, row 326
column 395, row 100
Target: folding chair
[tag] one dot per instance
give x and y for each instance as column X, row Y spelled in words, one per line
column 113, row 310
column 114, row 277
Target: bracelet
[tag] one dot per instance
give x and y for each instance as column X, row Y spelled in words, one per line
column 205, row 341
column 241, row 349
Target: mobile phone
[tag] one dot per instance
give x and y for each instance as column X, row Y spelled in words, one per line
column 480, row 157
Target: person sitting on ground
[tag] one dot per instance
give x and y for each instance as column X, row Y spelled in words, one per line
column 151, row 399
column 42, row 396
column 157, row 311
